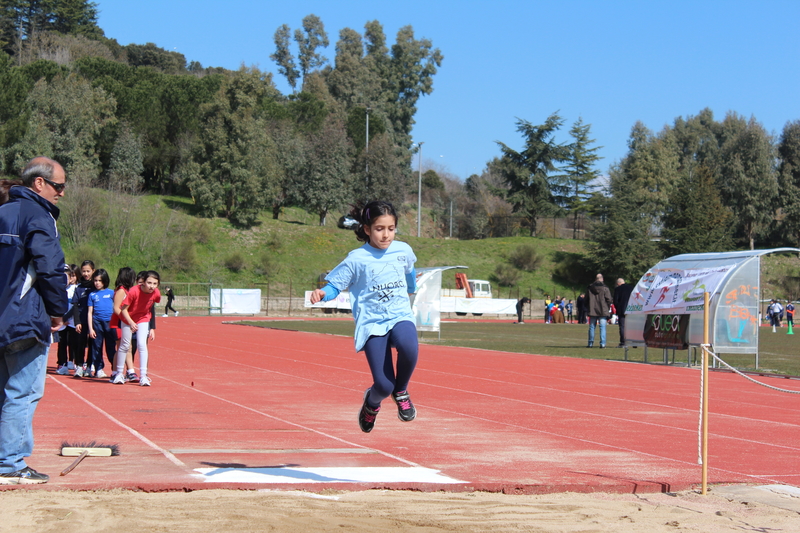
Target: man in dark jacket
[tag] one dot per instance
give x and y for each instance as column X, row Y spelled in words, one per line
column 33, row 298
column 598, row 306
column 621, row 294
column 581, row 305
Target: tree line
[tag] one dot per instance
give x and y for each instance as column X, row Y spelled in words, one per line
column 138, row 117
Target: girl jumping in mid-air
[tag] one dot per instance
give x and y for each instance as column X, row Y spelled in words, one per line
column 380, row 276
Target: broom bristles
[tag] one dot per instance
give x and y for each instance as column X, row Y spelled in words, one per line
column 93, row 444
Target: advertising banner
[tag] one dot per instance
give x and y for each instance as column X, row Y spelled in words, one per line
column 236, row 301
column 666, row 331
column 677, row 290
column 426, row 304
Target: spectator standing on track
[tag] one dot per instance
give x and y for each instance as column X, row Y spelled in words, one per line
column 581, row 305
column 170, row 299
column 598, row 306
column 126, row 278
column 135, row 314
column 80, row 303
column 33, row 300
column 789, row 313
column 569, row 308
column 622, row 292
column 380, row 276
column 546, row 309
column 67, row 338
column 101, row 309
column 520, row 306
column 151, row 334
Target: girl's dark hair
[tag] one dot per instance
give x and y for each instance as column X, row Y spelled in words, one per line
column 141, row 276
column 152, row 274
column 5, row 187
column 126, row 277
column 88, row 262
column 103, row 276
column 365, row 214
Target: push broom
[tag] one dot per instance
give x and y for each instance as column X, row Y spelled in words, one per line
column 82, row 451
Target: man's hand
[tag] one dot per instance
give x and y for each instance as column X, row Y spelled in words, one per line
column 55, row 323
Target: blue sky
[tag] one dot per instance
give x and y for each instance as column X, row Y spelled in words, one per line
column 610, row 62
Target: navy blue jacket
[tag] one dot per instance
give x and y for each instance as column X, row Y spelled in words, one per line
column 33, row 285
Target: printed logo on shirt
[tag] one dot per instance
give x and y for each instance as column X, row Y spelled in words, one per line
column 384, row 281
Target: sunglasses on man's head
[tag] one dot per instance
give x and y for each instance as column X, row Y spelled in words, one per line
column 57, row 186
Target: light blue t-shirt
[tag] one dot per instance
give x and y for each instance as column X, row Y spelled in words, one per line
column 378, row 288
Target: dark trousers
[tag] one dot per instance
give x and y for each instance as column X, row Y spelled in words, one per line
column 403, row 336
column 621, row 322
column 104, row 335
column 67, row 345
column 81, row 343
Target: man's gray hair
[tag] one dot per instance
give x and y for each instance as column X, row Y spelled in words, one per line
column 37, row 167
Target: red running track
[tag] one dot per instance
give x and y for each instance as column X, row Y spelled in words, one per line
column 235, row 398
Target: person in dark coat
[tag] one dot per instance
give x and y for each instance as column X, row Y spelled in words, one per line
column 33, row 300
column 520, row 305
column 598, row 306
column 622, row 292
column 580, row 305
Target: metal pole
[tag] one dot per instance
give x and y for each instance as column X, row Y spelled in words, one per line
column 451, row 219
column 366, row 178
column 419, row 193
column 705, row 394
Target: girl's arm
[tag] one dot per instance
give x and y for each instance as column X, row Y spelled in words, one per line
column 326, row 293
column 78, row 326
column 411, row 281
column 119, row 296
column 92, row 334
column 124, row 315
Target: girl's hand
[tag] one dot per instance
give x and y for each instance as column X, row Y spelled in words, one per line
column 92, row 334
column 134, row 327
column 78, row 328
column 317, row 295
column 152, row 335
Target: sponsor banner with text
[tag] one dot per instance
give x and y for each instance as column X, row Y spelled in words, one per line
column 677, row 290
column 666, row 331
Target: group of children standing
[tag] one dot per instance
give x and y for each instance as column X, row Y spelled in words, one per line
column 117, row 321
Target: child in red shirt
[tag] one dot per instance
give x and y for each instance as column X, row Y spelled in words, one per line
column 135, row 319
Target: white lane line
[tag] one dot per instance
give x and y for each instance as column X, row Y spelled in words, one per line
column 133, row 432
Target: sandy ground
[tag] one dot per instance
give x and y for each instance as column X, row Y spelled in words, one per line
column 242, row 511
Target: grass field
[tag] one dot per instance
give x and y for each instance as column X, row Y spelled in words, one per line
column 778, row 352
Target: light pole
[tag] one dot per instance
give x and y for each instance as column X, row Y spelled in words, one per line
column 419, row 193
column 367, row 158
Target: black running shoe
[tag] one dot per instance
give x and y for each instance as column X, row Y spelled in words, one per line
column 405, row 409
column 366, row 417
column 26, row 476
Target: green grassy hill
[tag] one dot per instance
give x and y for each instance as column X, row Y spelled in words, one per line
column 163, row 232
column 166, row 233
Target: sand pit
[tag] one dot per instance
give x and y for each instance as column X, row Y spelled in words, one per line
column 242, row 511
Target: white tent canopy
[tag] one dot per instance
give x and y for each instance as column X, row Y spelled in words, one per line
column 675, row 287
